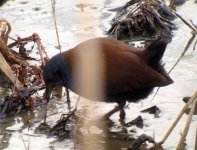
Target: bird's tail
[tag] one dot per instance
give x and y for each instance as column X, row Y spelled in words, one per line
column 153, row 53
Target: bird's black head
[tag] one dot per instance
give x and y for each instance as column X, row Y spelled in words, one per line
column 54, row 74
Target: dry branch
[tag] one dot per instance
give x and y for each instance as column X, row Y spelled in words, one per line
column 10, row 56
column 27, row 79
column 182, row 139
column 192, row 99
column 8, row 72
column 55, row 23
column 33, row 38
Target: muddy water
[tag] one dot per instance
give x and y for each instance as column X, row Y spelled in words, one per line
column 80, row 20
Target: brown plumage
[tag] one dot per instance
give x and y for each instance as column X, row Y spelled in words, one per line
column 129, row 74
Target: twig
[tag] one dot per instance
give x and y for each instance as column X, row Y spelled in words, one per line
column 19, row 40
column 182, row 19
column 78, row 99
column 29, row 143
column 24, row 142
column 181, row 142
column 195, row 45
column 12, row 38
column 196, row 140
column 131, row 12
column 183, row 53
column 67, row 95
column 40, row 48
column 56, row 29
column 193, row 24
column 179, row 117
column 155, row 94
column 171, row 3
column 45, row 114
column 187, row 23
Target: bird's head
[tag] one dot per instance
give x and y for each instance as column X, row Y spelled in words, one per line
column 54, row 74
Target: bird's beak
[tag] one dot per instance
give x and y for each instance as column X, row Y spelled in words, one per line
column 48, row 92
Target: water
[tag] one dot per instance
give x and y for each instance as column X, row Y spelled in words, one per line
column 75, row 25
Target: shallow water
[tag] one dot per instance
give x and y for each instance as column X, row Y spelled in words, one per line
column 77, row 24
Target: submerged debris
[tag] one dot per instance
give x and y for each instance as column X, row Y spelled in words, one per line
column 139, row 18
column 63, row 128
column 153, row 110
column 137, row 121
column 139, row 141
column 19, row 101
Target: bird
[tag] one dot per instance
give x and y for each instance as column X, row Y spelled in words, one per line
column 130, row 74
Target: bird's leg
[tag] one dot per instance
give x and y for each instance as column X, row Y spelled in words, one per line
column 122, row 112
column 120, row 107
column 45, row 113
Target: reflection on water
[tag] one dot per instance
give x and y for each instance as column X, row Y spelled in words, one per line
column 80, row 20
